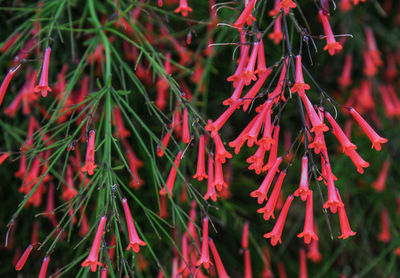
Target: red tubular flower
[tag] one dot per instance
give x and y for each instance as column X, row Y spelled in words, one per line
column 257, row 160
column 276, row 36
column 3, row 157
column 205, row 257
column 221, row 154
column 372, row 135
column 261, row 66
column 384, row 235
column 239, row 141
column 247, row 264
column 43, row 268
column 190, row 225
column 344, row 222
column 313, row 252
column 248, row 73
column 163, row 213
column 219, row 182
column 380, row 184
column 22, row 260
column 316, row 122
column 372, row 48
column 248, row 98
column 303, row 189
column 245, row 236
column 134, row 241
column 340, row 135
column 276, row 232
column 308, row 232
column 370, row 68
column 269, row 208
column 92, row 259
column 333, row 201
column 134, row 163
column 357, row 160
column 176, row 122
column 211, row 193
column 10, row 42
column 185, row 127
column 299, row 86
column 331, row 44
column 183, row 8
column 89, row 163
column 43, row 85
column 163, row 144
column 286, row 5
column 213, row 127
column 345, row 79
column 244, row 51
column 201, row 171
column 246, row 16
column 218, row 263
column 235, row 98
column 303, row 264
column 171, row 177
column 278, row 92
column 262, row 191
column 274, row 150
column 121, row 132
column 390, row 104
column 6, row 82
column 252, row 135
column 103, row 272
column 267, row 141
column 69, row 192
column 275, row 10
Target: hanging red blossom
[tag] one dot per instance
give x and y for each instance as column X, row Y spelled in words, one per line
column 43, row 268
column 303, row 189
column 211, row 193
column 276, row 232
column 185, row 127
column 269, row 208
column 384, row 235
column 299, row 86
column 261, row 192
column 183, row 8
column 22, row 260
column 204, row 257
column 344, row 222
column 201, row 171
column 218, row 263
column 134, row 241
column 43, row 85
column 331, row 44
column 89, row 163
column 6, row 82
column 380, row 184
column 93, row 257
column 246, row 16
column 308, row 232
column 169, row 184
column 372, row 135
column 302, row 264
